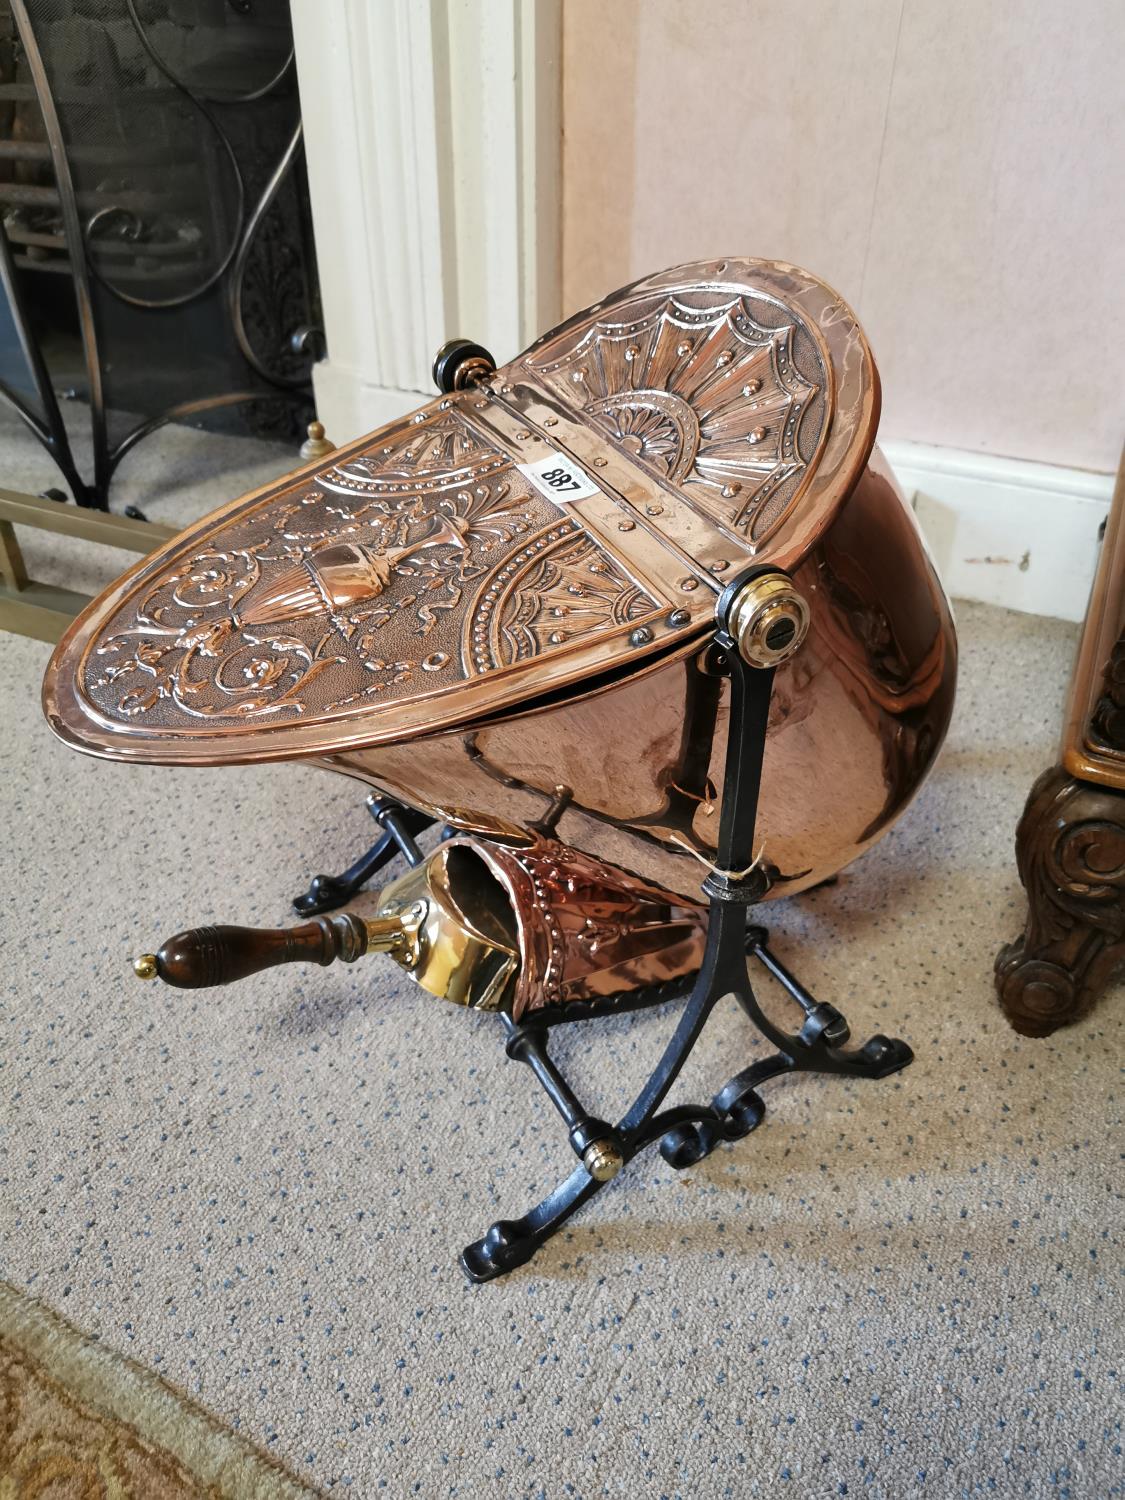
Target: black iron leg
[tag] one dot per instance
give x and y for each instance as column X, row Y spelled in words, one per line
column 688, row 1133
column 819, row 1045
column 400, row 826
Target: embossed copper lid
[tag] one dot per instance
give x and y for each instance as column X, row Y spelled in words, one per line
column 577, row 513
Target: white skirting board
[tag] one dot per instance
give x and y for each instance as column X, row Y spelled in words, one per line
column 1022, row 535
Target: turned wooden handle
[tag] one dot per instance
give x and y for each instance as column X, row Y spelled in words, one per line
column 206, row 956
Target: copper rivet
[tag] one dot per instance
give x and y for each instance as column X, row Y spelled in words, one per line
column 641, row 636
column 626, row 525
column 752, row 387
column 757, row 435
column 720, row 566
column 654, row 510
column 687, row 584
column 679, row 617
column 599, row 463
column 550, row 421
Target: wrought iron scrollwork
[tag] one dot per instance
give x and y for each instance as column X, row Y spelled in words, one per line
column 114, row 210
column 264, row 292
column 687, row 1133
column 298, row 344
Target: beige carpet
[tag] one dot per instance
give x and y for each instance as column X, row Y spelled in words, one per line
column 891, row 1289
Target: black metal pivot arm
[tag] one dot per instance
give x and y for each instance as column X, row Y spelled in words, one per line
column 736, row 874
column 687, row 1133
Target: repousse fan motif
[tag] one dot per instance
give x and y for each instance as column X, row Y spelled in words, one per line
column 720, row 401
column 566, row 588
column 439, row 454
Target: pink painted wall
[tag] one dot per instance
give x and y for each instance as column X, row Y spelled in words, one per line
column 955, row 169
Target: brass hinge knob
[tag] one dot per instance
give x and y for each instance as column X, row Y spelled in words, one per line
column 769, row 619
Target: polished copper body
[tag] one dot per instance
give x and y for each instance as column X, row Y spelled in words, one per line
column 425, row 615
column 858, row 716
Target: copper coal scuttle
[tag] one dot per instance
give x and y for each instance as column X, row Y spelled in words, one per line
column 641, row 620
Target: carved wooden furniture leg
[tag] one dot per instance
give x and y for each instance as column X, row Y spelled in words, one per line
column 1070, row 848
column 1070, row 844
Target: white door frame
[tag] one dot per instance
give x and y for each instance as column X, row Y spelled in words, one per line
column 433, row 140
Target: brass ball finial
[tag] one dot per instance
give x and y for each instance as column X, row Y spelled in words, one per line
column 144, row 967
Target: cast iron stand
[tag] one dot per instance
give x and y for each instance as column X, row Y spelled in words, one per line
column 687, row 1133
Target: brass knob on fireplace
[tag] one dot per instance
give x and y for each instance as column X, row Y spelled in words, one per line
column 317, row 444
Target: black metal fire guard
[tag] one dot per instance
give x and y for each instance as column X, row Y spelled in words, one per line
column 155, row 250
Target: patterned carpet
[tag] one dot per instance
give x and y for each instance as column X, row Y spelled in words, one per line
column 77, row 1421
column 258, row 1194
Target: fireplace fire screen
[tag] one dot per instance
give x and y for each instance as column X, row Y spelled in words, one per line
column 156, row 250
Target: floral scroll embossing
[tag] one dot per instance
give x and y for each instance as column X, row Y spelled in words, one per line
column 352, row 585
